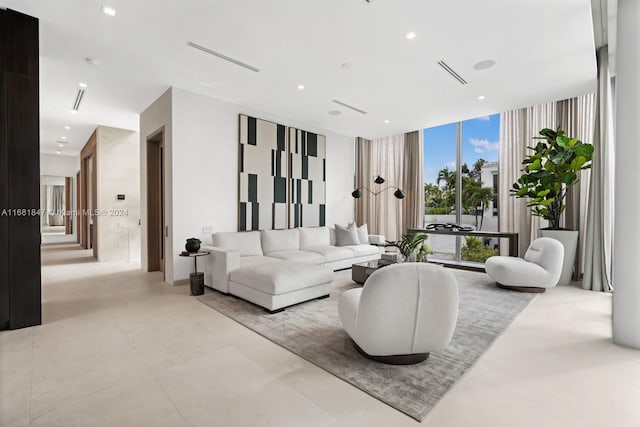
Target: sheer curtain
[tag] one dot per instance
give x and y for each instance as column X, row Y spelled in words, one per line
column 517, row 127
column 577, row 116
column 599, row 227
column 413, row 181
column 398, row 159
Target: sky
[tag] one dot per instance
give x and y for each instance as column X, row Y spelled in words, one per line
column 480, row 138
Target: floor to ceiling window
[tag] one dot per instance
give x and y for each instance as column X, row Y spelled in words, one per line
column 461, row 182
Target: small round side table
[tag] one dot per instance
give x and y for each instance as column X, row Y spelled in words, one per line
column 196, row 280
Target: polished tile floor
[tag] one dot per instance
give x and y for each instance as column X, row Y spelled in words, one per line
column 121, row 348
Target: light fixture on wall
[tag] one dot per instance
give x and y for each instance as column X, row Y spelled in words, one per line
column 398, row 194
column 378, row 180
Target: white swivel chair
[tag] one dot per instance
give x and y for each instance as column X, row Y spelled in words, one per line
column 402, row 313
column 540, row 269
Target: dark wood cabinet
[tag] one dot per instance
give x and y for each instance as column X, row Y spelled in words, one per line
column 20, row 285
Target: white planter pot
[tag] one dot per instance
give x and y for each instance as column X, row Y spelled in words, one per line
column 569, row 240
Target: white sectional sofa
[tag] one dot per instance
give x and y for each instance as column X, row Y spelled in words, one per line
column 300, row 264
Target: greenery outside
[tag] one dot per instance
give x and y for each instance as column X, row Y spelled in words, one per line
column 473, row 250
column 441, row 199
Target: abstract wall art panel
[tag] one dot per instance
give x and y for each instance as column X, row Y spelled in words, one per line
column 307, row 180
column 263, row 175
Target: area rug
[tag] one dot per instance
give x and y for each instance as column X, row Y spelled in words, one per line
column 313, row 331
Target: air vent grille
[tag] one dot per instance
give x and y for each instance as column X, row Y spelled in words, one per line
column 452, row 72
column 221, row 56
column 78, row 100
column 351, row 107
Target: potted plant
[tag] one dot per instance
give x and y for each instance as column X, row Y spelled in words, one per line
column 547, row 173
column 192, row 245
column 411, row 246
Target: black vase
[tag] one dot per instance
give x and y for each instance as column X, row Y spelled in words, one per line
column 192, row 246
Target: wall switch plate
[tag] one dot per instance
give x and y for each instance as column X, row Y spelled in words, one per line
column 207, row 230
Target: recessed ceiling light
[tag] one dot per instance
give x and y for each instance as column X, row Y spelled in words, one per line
column 109, row 11
column 63, row 137
column 82, row 85
column 410, row 36
column 58, row 152
column 481, row 97
column 387, row 121
column 300, row 87
column 334, row 113
column 67, row 127
column 60, row 145
column 484, row 65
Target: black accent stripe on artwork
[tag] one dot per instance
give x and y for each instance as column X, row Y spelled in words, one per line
column 253, row 188
column 298, row 191
column 279, row 189
column 255, row 216
column 322, row 215
column 297, row 215
column 278, row 163
column 324, row 170
column 305, row 167
column 281, row 138
column 241, row 158
column 312, row 144
column 273, row 216
column 251, row 130
column 290, row 164
column 243, row 216
column 310, row 190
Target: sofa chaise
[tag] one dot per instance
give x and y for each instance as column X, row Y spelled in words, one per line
column 279, row 268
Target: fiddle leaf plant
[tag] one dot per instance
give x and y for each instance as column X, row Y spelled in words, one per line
column 549, row 171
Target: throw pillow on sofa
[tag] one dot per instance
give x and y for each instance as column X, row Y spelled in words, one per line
column 347, row 236
column 363, row 234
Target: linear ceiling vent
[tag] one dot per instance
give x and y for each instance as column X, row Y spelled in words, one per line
column 351, row 107
column 78, row 101
column 221, row 56
column 452, row 72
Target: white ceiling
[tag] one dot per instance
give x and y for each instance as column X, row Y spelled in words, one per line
column 544, row 51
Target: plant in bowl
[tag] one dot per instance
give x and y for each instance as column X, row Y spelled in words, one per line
column 410, row 245
column 192, row 245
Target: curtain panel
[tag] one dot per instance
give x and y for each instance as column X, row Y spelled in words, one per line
column 577, row 116
column 399, row 160
column 413, row 181
column 600, row 212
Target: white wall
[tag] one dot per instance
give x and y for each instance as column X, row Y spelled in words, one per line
column 626, row 251
column 204, row 175
column 59, row 165
column 154, row 117
column 118, row 157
